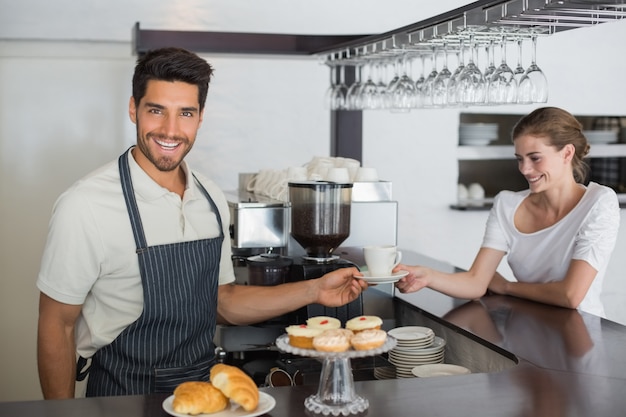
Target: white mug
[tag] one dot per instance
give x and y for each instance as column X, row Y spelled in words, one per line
column 338, row 175
column 365, row 174
column 381, row 260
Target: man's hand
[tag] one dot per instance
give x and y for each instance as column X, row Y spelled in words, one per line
column 339, row 287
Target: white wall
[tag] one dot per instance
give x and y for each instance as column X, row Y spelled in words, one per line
column 64, row 89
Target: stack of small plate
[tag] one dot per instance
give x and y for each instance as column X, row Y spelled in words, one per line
column 415, row 346
column 477, row 134
column 384, row 372
column 601, row 136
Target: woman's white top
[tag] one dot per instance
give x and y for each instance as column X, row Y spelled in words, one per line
column 588, row 233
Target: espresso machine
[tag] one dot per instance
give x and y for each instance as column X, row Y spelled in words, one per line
column 320, row 222
column 318, row 230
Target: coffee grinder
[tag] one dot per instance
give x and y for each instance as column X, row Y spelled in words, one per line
column 320, row 222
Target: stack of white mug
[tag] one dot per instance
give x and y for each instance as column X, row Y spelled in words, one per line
column 273, row 183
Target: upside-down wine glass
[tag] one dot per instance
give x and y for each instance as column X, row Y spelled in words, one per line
column 403, row 92
column 338, row 94
column 369, row 92
column 419, row 83
column 452, row 98
column 426, row 92
column 502, row 87
column 353, row 96
column 440, row 85
column 333, row 82
column 491, row 64
column 533, row 86
column 470, row 86
column 519, row 70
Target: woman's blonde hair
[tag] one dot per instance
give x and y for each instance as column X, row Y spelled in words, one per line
column 561, row 128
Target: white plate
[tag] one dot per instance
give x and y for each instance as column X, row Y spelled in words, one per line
column 438, row 345
column 442, row 369
column 475, row 141
column 600, row 136
column 266, row 404
column 411, row 333
column 395, row 277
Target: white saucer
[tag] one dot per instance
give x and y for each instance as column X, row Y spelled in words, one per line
column 443, row 369
column 412, row 334
column 394, row 277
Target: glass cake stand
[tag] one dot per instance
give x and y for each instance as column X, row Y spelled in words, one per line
column 335, row 393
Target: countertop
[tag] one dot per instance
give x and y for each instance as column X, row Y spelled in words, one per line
column 566, row 363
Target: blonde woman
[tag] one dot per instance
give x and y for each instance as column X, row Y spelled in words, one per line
column 558, row 235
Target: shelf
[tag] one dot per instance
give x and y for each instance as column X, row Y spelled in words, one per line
column 475, row 153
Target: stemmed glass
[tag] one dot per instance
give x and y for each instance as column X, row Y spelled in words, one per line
column 427, row 88
column 470, row 86
column 403, row 92
column 491, row 67
column 337, row 98
column 419, row 83
column 370, row 97
column 333, row 82
column 353, row 96
column 452, row 98
column 502, row 87
column 519, row 70
column 533, row 86
column 381, row 84
column 440, row 85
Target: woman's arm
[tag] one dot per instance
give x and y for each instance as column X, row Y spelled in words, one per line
column 469, row 285
column 569, row 292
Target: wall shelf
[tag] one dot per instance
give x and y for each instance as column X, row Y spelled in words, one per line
column 477, row 153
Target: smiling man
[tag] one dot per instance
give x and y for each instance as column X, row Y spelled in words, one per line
column 137, row 267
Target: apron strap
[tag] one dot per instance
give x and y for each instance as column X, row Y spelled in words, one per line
column 212, row 203
column 82, row 368
column 131, row 203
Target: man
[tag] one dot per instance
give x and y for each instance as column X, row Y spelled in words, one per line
column 137, row 266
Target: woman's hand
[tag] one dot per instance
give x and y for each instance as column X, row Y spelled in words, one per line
column 418, row 278
column 498, row 284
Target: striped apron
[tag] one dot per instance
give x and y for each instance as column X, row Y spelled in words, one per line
column 172, row 340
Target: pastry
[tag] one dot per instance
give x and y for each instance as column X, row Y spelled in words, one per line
column 301, row 335
column 360, row 323
column 368, row 339
column 323, row 322
column 340, row 332
column 236, row 385
column 331, row 341
column 197, row 397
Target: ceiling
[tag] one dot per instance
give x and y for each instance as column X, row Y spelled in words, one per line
column 113, row 20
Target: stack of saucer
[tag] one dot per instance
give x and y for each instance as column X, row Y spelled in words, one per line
column 416, row 346
column 477, row 134
column 384, row 372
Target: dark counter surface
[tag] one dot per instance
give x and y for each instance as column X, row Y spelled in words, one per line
column 568, row 363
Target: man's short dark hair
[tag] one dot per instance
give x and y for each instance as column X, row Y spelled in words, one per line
column 172, row 64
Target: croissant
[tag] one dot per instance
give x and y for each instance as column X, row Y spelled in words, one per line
column 196, row 397
column 236, row 385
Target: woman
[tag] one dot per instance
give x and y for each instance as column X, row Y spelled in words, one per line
column 558, row 235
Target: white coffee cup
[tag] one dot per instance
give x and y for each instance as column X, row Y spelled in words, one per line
column 365, row 174
column 381, row 260
column 338, row 175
